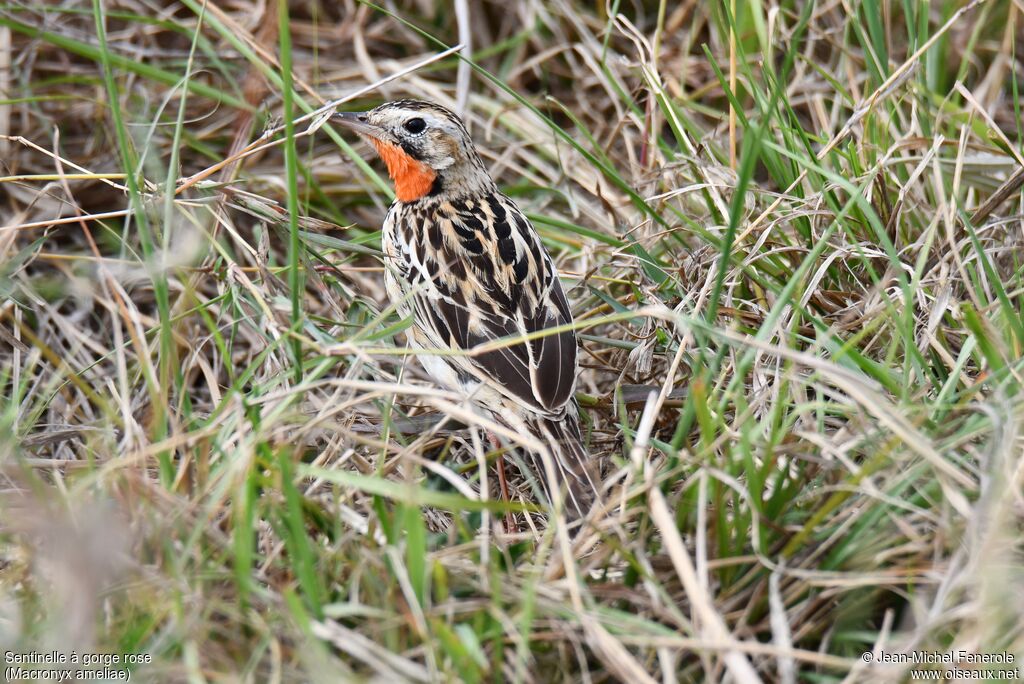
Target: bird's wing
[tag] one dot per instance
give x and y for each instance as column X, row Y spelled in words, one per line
column 493, row 279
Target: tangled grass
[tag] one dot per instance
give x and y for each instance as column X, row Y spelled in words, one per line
column 791, row 236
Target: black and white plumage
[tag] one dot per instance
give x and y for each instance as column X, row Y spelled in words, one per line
column 469, row 267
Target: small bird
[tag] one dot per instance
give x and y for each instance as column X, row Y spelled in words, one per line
column 467, row 264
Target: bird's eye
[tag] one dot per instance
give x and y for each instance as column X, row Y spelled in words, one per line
column 415, row 125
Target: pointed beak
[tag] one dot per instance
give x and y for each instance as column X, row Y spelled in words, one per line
column 357, row 122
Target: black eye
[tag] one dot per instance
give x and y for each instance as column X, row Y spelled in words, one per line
column 415, row 125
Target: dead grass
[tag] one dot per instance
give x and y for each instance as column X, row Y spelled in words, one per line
column 791, row 239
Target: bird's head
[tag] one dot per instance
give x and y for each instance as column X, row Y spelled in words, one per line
column 426, row 148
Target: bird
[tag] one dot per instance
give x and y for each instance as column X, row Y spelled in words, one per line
column 469, row 267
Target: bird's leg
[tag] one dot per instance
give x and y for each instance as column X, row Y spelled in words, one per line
column 510, row 521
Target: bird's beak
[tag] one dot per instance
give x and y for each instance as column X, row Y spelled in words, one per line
column 357, row 122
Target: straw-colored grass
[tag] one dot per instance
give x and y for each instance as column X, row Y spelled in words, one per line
column 791, row 236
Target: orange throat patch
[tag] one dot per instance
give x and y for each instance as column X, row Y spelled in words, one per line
column 413, row 179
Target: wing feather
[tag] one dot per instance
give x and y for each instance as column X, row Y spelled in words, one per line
column 513, row 292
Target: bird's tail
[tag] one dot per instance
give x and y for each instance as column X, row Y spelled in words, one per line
column 575, row 473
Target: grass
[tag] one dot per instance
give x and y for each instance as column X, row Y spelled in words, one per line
column 790, row 234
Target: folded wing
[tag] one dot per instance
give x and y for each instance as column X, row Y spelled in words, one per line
column 513, row 293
